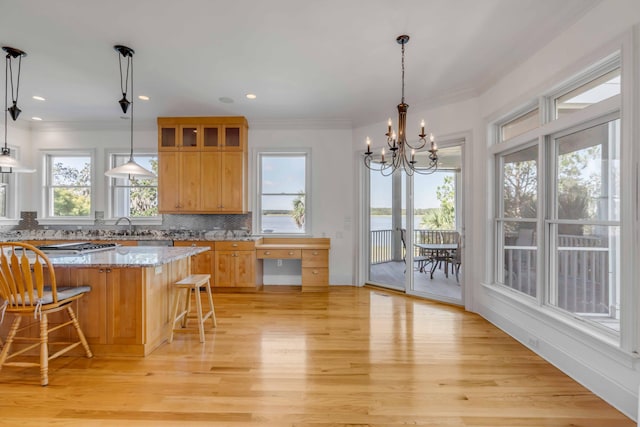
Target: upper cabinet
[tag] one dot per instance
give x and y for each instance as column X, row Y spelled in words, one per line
column 202, row 134
column 202, row 164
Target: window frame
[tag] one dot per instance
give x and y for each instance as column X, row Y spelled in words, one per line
column 281, row 152
column 46, row 179
column 627, row 338
column 111, row 188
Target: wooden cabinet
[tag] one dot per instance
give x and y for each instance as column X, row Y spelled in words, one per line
column 313, row 254
column 315, row 269
column 111, row 311
column 201, row 263
column 235, row 264
column 202, row 164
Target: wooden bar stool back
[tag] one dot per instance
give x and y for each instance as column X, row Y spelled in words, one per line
column 181, row 312
column 28, row 289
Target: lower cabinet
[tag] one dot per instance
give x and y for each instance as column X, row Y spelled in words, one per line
column 202, row 263
column 235, row 265
column 315, row 269
column 231, row 264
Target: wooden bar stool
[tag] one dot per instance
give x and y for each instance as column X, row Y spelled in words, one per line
column 183, row 288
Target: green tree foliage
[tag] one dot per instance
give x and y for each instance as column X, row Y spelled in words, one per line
column 444, row 217
column 144, row 194
column 298, row 210
column 72, row 197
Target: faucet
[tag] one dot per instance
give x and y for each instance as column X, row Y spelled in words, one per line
column 125, row 218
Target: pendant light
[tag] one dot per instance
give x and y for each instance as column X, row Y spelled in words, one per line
column 130, row 169
column 9, row 164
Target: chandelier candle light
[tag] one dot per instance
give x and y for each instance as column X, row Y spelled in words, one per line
column 403, row 153
column 9, row 164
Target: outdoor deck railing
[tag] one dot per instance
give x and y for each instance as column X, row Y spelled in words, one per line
column 583, row 284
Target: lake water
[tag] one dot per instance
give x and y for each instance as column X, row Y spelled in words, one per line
column 285, row 224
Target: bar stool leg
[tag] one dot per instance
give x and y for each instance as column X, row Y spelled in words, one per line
column 199, row 311
column 210, row 298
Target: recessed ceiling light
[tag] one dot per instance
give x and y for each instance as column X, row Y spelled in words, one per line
column 251, row 96
column 38, row 98
column 225, row 100
column 36, row 118
column 143, row 97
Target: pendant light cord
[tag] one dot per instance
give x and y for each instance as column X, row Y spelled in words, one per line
column 123, row 84
column 6, row 87
column 130, row 61
column 14, row 100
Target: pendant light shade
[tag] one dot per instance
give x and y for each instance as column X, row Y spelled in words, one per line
column 131, row 169
column 9, row 164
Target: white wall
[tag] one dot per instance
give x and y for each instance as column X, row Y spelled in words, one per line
column 98, row 137
column 608, row 371
column 332, row 191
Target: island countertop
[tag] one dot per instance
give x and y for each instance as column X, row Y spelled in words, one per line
column 127, row 256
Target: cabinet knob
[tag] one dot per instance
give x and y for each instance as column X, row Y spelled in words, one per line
column 108, row 270
column 100, row 271
column 315, row 252
column 290, row 252
column 315, row 271
column 193, row 244
column 267, row 252
column 235, row 245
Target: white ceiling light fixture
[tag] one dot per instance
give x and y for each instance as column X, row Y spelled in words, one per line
column 402, row 152
column 9, row 164
column 130, row 169
column 39, row 98
column 251, row 96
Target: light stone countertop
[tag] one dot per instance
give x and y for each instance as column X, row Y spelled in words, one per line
column 126, row 256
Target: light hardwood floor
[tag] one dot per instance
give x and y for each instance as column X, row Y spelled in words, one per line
column 349, row 357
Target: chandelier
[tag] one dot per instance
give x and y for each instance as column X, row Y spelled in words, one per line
column 402, row 154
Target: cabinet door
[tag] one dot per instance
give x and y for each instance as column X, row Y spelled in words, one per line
column 92, row 307
column 189, row 137
column 211, row 137
column 168, row 181
column 233, row 137
column 225, row 269
column 211, row 183
column 201, row 263
column 232, row 182
column 189, row 179
column 245, row 275
column 167, row 138
column 124, row 305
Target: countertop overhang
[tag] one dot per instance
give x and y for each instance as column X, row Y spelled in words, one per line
column 127, row 256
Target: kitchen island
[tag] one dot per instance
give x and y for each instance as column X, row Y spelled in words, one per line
column 127, row 312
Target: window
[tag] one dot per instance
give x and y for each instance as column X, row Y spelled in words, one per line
column 136, row 197
column 68, row 186
column 516, row 223
column 584, row 223
column 558, row 212
column 592, row 92
column 4, row 195
column 283, row 192
column 520, row 124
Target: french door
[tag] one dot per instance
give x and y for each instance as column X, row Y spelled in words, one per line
column 407, row 216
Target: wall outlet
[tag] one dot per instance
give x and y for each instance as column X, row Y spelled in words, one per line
column 533, row 342
column 279, row 263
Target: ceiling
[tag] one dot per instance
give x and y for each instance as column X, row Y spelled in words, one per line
column 330, row 60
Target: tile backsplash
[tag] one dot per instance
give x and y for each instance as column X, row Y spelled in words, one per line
column 192, row 223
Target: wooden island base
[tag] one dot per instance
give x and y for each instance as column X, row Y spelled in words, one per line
column 127, row 312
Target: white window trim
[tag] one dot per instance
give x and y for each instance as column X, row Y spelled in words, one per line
column 627, row 340
column 43, row 217
column 108, row 190
column 308, row 199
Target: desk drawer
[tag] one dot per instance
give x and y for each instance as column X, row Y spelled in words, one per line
column 235, row 246
column 315, row 258
column 278, row 254
column 315, row 276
